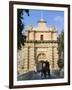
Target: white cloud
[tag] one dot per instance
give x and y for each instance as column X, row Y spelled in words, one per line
column 58, row 18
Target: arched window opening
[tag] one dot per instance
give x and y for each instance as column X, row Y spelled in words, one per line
column 41, row 37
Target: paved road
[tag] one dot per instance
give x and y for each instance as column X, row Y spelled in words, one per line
column 37, row 76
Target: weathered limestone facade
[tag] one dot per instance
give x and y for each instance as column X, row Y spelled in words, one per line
column 41, row 44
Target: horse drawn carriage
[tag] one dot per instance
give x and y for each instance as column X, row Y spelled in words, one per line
column 44, row 68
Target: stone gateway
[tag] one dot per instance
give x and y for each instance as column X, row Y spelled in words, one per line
column 41, row 45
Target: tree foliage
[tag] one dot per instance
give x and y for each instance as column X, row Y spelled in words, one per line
column 61, row 50
column 20, row 26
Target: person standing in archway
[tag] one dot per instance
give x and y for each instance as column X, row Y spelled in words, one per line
column 47, row 66
column 43, row 70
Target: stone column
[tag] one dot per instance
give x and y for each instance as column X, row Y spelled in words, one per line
column 35, row 58
column 25, row 59
column 55, row 58
column 52, row 57
column 31, row 59
column 28, row 59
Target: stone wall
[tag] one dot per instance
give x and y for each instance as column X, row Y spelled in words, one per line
column 28, row 56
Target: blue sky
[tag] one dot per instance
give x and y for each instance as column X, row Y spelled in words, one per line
column 53, row 18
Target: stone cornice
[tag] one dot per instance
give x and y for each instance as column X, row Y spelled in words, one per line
column 43, row 41
column 41, row 31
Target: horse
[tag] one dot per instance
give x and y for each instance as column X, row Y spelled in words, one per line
column 45, row 69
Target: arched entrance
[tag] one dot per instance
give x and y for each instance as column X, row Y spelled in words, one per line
column 41, row 58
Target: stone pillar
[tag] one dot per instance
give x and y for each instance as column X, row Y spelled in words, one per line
column 55, row 58
column 28, row 58
column 52, row 57
column 49, row 56
column 31, row 59
column 25, row 58
column 35, row 58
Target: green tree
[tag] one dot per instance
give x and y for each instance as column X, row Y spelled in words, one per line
column 61, row 50
column 20, row 26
